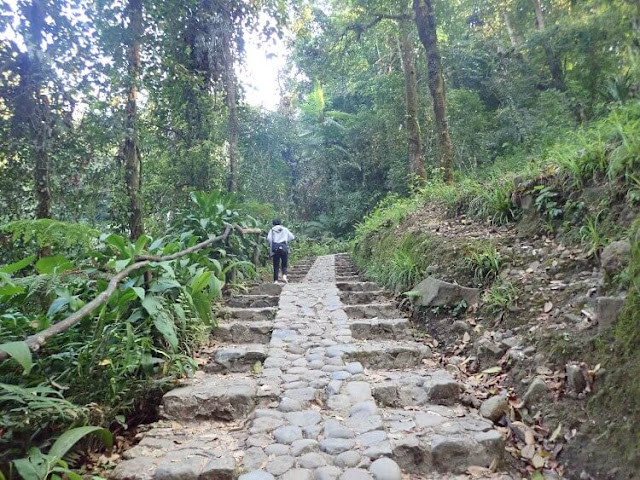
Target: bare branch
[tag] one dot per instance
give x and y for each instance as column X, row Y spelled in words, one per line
column 35, row 341
column 360, row 28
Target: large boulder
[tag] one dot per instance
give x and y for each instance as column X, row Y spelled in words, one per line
column 432, row 292
column 607, row 311
column 615, row 256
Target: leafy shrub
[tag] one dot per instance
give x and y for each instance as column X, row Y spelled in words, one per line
column 483, row 260
column 109, row 365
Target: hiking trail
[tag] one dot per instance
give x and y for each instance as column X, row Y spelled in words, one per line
column 319, row 379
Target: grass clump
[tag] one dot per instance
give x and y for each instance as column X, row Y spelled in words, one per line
column 483, row 260
column 502, row 296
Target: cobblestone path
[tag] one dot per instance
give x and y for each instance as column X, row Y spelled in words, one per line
column 323, row 382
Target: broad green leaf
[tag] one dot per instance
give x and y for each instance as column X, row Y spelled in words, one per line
column 117, row 242
column 11, row 290
column 167, row 328
column 152, row 305
column 54, row 264
column 20, row 352
column 34, row 467
column 57, row 305
column 166, row 266
column 215, row 284
column 156, row 244
column 19, row 265
column 164, row 285
column 200, row 281
column 141, row 242
column 203, row 306
column 140, row 292
column 120, row 265
column 69, row 438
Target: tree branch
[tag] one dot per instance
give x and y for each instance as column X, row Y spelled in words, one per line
column 35, row 341
column 360, row 28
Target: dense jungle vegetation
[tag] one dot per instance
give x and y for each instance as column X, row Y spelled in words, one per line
column 126, row 137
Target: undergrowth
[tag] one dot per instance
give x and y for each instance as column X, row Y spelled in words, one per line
column 111, row 368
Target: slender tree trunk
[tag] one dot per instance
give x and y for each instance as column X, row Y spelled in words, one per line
column 230, row 90
column 426, row 23
column 513, row 37
column 39, row 121
column 411, row 87
column 553, row 61
column 130, row 151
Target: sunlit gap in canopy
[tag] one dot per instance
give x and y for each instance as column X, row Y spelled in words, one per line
column 262, row 73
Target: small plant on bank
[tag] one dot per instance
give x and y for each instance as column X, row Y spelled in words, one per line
column 592, row 235
column 547, row 202
column 483, row 260
column 501, row 296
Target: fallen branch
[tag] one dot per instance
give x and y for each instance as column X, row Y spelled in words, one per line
column 35, row 341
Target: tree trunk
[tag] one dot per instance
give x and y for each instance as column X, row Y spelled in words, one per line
column 426, row 23
column 513, row 38
column 230, row 90
column 39, row 121
column 411, row 87
column 553, row 61
column 130, row 151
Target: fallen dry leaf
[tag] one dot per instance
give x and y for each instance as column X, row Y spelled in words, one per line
column 537, row 461
column 528, row 452
column 548, row 306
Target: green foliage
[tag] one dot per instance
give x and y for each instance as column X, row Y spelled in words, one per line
column 547, row 202
column 39, row 466
column 34, row 235
column 134, row 347
column 397, row 261
column 483, row 260
column 501, row 296
column 594, row 235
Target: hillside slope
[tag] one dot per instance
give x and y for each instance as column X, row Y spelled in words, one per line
column 555, row 253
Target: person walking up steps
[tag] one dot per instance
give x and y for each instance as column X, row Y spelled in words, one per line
column 279, row 238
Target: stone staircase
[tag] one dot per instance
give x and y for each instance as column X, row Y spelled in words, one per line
column 328, row 384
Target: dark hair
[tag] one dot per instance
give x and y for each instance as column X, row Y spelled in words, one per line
column 276, row 222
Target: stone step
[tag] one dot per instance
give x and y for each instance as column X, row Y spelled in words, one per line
column 253, row 301
column 254, row 314
column 171, row 451
column 415, row 388
column 265, row 289
column 216, row 397
column 357, row 286
column 244, row 332
column 381, row 355
column 347, row 278
column 236, row 358
column 395, row 328
column 441, row 439
column 360, row 298
column 372, row 310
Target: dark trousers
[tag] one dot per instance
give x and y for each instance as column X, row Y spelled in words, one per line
column 278, row 258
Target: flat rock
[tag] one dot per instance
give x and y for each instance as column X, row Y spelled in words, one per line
column 334, row 446
column 385, row 469
column 224, row 398
column 494, row 407
column 356, row 474
column 287, row 434
column 432, row 292
column 257, row 475
column 279, row 465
